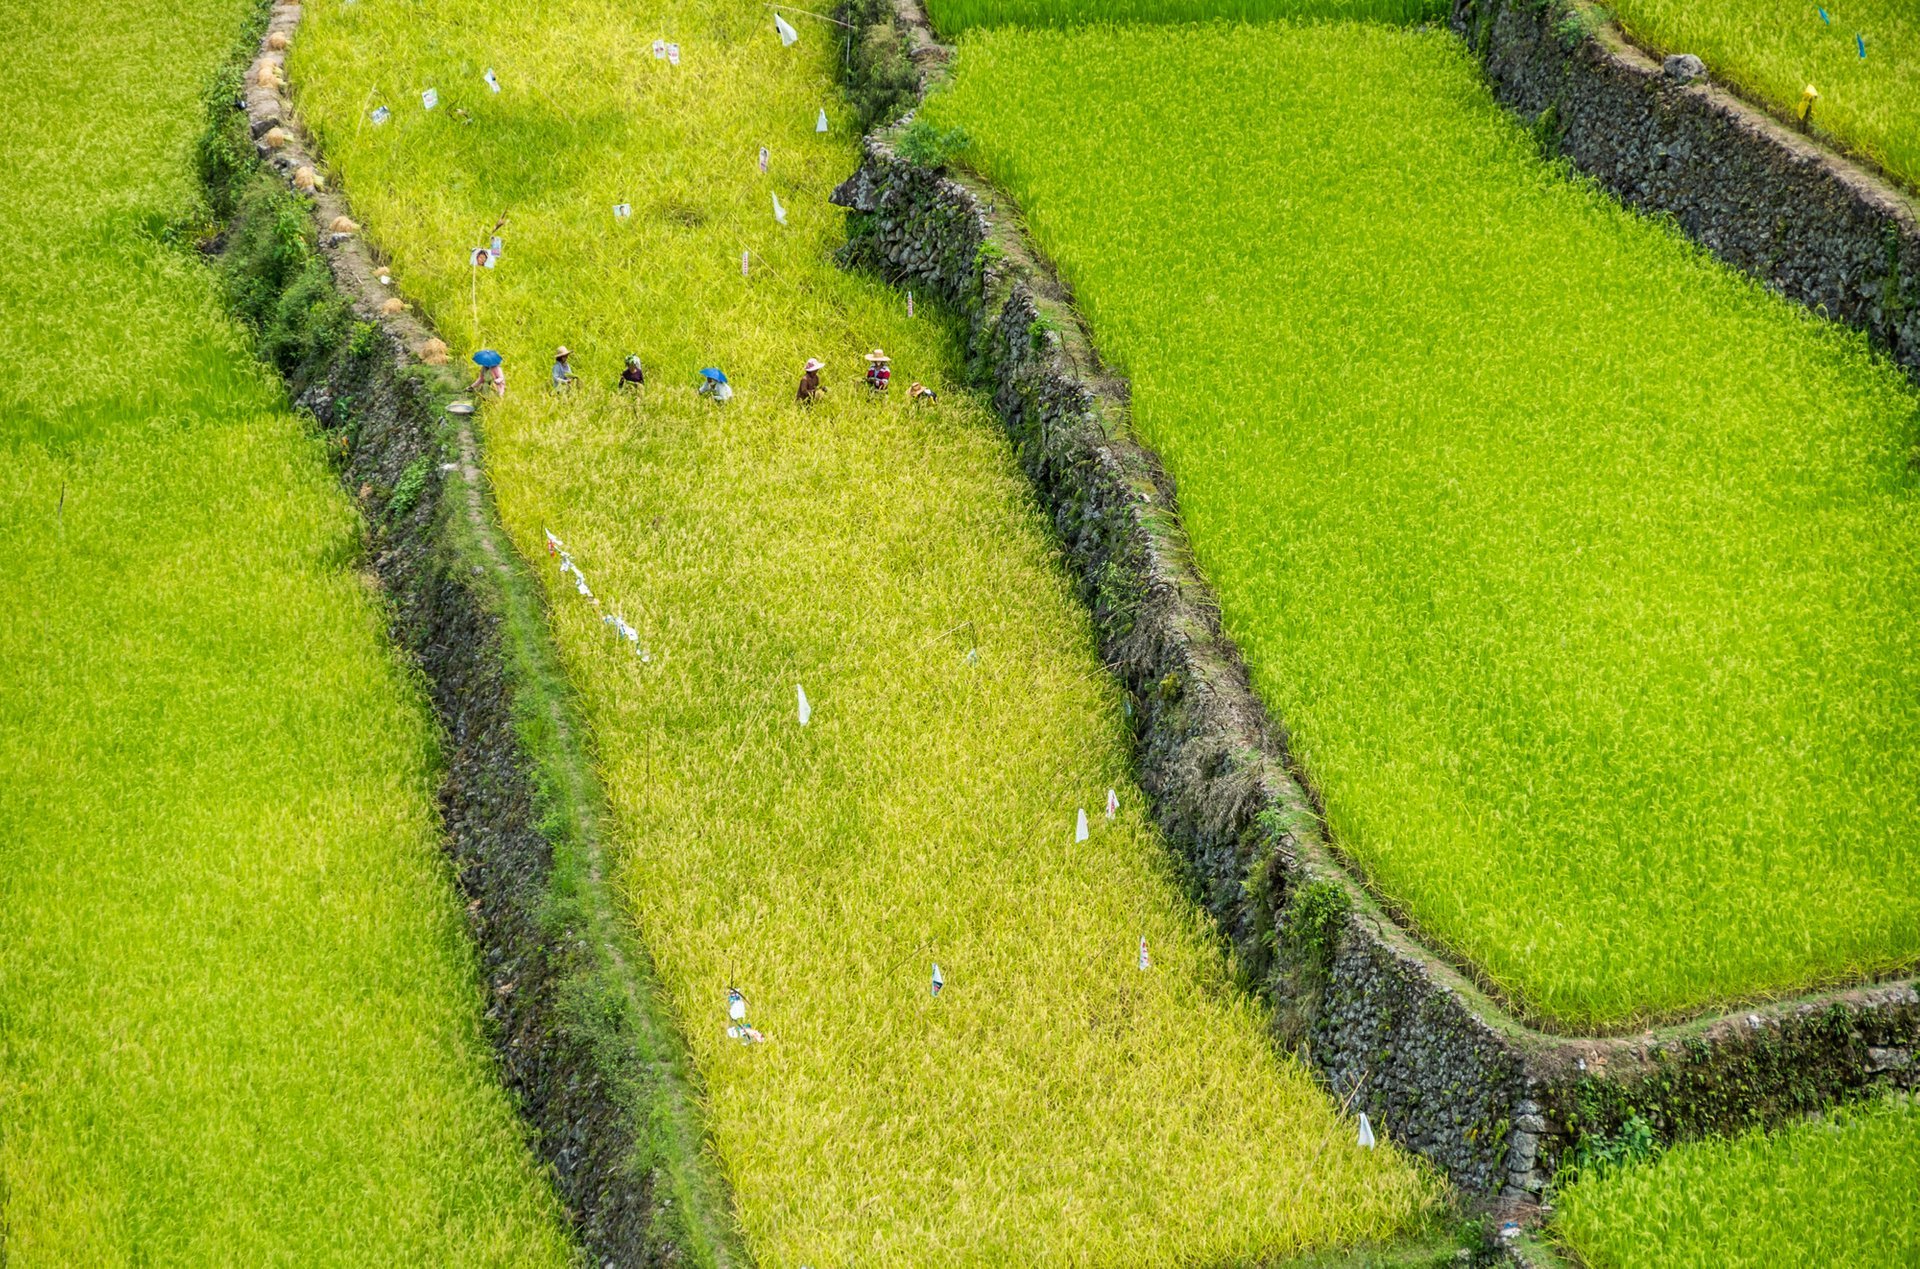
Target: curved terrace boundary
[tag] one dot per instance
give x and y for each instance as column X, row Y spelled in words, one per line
column 598, row 1068
column 1409, row 1035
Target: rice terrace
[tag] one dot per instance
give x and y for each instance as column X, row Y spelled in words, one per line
column 960, row 632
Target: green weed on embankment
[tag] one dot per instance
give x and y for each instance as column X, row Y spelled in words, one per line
column 1837, row 1191
column 239, row 1022
column 953, row 16
column 1863, row 57
column 1054, row 1103
column 1581, row 569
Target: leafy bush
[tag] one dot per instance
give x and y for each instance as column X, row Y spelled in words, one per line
column 881, row 80
column 929, row 146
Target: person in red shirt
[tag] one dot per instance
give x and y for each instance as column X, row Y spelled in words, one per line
column 879, row 374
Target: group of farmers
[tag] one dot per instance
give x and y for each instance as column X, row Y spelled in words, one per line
column 713, row 381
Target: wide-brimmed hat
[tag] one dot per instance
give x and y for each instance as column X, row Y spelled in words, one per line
column 562, row 351
column 813, row 364
column 877, row 355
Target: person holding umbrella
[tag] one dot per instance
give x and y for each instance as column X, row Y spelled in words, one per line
column 714, row 384
column 811, row 389
column 492, row 374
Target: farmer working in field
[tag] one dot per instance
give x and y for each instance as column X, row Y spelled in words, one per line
column 562, row 369
column 878, row 372
column 633, row 377
column 921, row 394
column 810, row 386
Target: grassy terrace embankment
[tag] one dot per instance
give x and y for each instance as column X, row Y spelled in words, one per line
column 1772, row 49
column 239, row 1021
column 1054, row 1103
column 953, row 16
column 1581, row 569
column 1838, row 1191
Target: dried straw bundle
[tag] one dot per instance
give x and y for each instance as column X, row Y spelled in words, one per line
column 275, row 138
column 434, row 352
column 278, row 40
column 268, row 76
column 306, row 178
column 343, row 225
column 393, row 305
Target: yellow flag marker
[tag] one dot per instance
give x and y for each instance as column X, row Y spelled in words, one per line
column 1807, row 99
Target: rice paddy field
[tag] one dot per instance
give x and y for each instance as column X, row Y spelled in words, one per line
column 1055, row 1100
column 953, row 16
column 239, row 1018
column 1862, row 55
column 1580, row 568
column 1838, row 1191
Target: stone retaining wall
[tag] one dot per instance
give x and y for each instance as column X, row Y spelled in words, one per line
column 588, row 1051
column 1759, row 194
column 1391, row 1027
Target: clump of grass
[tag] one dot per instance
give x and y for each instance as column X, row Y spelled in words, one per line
column 239, row 1021
column 1837, row 1191
column 1773, row 50
column 1054, row 1104
column 958, row 15
column 1579, row 567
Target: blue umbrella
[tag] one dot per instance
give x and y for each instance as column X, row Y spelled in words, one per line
column 488, row 358
column 717, row 376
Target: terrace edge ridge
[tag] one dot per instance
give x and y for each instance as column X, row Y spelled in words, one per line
column 584, row 1044
column 1386, row 1023
column 1808, row 221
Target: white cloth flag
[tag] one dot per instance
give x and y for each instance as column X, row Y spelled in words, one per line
column 553, row 543
column 496, row 246
column 1145, row 962
column 765, row 157
column 673, row 54
column 380, row 115
column 581, row 581
column 491, row 81
column 1080, row 827
column 746, row 259
column 1366, row 1132
column 806, row 710
column 820, row 124
column 430, row 98
column 1113, row 804
column 660, row 50
column 779, row 212
column 622, row 210
column 787, row 34
column 736, row 1005
column 938, row 981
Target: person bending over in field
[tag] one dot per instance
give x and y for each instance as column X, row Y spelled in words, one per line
column 921, row 394
column 562, row 368
column 633, row 378
column 811, row 389
column 494, row 376
column 878, row 373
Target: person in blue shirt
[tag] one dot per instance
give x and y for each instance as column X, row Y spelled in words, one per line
column 562, row 370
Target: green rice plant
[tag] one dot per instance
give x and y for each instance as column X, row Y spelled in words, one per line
column 1054, row 1103
column 1773, row 49
column 1836, row 1191
column 953, row 16
column 1580, row 568
column 240, row 1021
